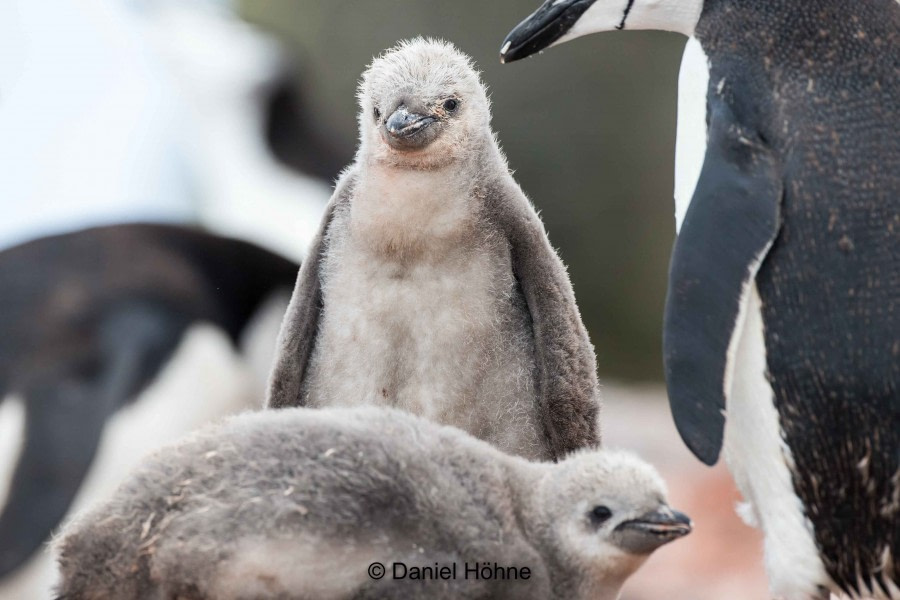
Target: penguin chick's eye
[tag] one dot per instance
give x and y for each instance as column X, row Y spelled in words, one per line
column 600, row 514
column 377, row 113
column 451, row 104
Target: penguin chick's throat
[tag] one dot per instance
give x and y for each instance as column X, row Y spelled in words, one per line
column 412, row 214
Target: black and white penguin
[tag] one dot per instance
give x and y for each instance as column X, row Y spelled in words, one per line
column 113, row 341
column 782, row 311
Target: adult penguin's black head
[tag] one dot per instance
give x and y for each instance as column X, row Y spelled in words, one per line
column 558, row 21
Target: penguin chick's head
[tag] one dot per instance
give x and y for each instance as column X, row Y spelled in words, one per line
column 422, row 105
column 609, row 513
column 558, row 21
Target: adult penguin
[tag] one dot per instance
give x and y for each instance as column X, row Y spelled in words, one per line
column 113, row 340
column 782, row 311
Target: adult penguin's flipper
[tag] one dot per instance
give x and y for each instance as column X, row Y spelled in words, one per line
column 301, row 321
column 732, row 221
column 68, row 400
column 62, row 429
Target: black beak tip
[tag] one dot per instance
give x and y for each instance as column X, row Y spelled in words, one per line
column 678, row 525
column 682, row 518
column 670, row 524
column 681, row 524
column 521, row 43
column 542, row 28
column 505, row 55
column 401, row 126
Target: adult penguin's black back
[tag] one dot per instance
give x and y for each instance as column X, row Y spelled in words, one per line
column 783, row 310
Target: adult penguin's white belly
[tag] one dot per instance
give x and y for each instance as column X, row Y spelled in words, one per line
column 754, row 447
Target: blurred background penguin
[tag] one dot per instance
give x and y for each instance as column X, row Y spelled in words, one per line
column 129, row 128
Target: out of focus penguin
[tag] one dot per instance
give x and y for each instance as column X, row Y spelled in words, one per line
column 116, row 336
column 115, row 340
column 782, row 312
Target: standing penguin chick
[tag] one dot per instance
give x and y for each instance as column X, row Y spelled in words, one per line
column 785, row 276
column 432, row 286
column 358, row 503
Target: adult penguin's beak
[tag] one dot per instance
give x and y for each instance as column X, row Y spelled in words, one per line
column 544, row 27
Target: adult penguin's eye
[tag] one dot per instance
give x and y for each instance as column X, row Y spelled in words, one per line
column 377, row 113
column 451, row 104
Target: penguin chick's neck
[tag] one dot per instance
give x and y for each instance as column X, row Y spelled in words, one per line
column 538, row 510
column 404, row 213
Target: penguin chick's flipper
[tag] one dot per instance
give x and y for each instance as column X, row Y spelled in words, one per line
column 301, row 320
column 67, row 405
column 732, row 221
column 567, row 367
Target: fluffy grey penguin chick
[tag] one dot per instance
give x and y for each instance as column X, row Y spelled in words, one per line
column 432, row 286
column 299, row 503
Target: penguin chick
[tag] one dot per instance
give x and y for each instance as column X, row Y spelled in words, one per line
column 432, row 286
column 302, row 503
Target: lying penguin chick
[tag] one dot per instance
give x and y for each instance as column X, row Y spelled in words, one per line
column 302, row 503
column 432, row 286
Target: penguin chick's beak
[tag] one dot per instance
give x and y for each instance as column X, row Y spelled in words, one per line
column 544, row 27
column 403, row 124
column 651, row 530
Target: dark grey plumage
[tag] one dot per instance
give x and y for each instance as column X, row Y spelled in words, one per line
column 298, row 503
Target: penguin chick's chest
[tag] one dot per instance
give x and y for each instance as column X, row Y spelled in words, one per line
column 421, row 309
